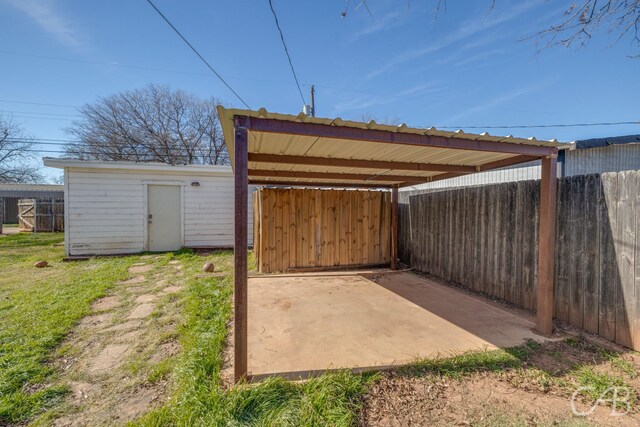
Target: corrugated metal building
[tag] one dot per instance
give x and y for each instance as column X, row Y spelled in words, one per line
column 601, row 155
column 11, row 193
column 598, row 155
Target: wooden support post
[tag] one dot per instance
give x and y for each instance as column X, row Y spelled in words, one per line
column 547, row 245
column 240, row 249
column 394, row 228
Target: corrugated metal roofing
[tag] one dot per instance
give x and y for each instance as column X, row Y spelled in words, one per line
column 61, row 163
column 30, row 187
column 336, row 148
column 604, row 142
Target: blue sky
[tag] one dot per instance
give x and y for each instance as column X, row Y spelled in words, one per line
column 468, row 67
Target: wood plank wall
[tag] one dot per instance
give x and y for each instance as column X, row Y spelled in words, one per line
column 313, row 228
column 485, row 239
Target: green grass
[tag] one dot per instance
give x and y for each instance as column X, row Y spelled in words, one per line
column 38, row 308
column 200, row 399
column 468, row 363
column 596, row 383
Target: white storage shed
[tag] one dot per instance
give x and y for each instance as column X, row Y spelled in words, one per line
column 127, row 207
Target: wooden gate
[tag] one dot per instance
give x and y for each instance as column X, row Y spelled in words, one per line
column 317, row 229
column 41, row 215
column 26, row 214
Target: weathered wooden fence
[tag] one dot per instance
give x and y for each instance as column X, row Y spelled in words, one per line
column 485, row 239
column 302, row 228
column 41, row 215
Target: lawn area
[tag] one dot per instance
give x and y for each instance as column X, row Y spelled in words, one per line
column 201, row 399
column 54, row 313
column 38, row 307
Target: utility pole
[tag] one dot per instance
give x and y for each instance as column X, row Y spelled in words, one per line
column 313, row 101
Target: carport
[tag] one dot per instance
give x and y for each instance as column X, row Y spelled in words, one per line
column 277, row 149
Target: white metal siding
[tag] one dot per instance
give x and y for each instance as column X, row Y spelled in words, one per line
column 106, row 210
column 522, row 172
column 613, row 158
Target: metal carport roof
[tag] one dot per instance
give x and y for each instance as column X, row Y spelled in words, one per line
column 303, row 150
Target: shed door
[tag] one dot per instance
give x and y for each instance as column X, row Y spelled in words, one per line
column 164, row 221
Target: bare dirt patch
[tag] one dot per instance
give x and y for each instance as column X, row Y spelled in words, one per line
column 96, row 321
column 146, row 298
column 172, row 289
column 141, row 311
column 106, row 303
column 536, row 393
column 110, row 358
column 133, row 281
column 140, row 268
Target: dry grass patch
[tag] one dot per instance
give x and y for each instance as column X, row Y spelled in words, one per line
column 526, row 385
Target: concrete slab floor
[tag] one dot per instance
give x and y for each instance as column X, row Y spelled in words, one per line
column 300, row 324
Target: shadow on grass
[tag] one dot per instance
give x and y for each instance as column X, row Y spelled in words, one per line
column 23, row 240
column 564, row 366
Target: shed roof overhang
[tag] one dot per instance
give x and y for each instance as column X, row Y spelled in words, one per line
column 309, row 151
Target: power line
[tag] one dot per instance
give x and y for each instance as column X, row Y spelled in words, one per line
column 197, row 53
column 38, row 103
column 39, row 113
column 284, row 44
column 562, row 125
column 140, row 67
column 42, row 118
column 103, row 153
column 48, row 140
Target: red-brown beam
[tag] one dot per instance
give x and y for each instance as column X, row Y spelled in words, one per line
column 546, row 245
column 357, row 163
column 508, row 162
column 331, row 175
column 240, row 250
column 383, row 136
column 318, row 184
column 394, row 228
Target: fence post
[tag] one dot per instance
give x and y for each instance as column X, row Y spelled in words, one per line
column 1, row 213
column 394, row 228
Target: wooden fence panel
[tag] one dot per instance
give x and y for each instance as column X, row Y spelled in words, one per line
column 41, row 215
column 306, row 228
column 485, row 238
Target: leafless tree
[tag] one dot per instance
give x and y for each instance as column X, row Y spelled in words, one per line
column 16, row 154
column 581, row 20
column 153, row 124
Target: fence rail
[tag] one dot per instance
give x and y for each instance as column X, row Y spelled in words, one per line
column 485, row 239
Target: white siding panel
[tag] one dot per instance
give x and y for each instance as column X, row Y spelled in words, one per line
column 523, row 172
column 105, row 213
column 613, row 158
column 106, row 210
